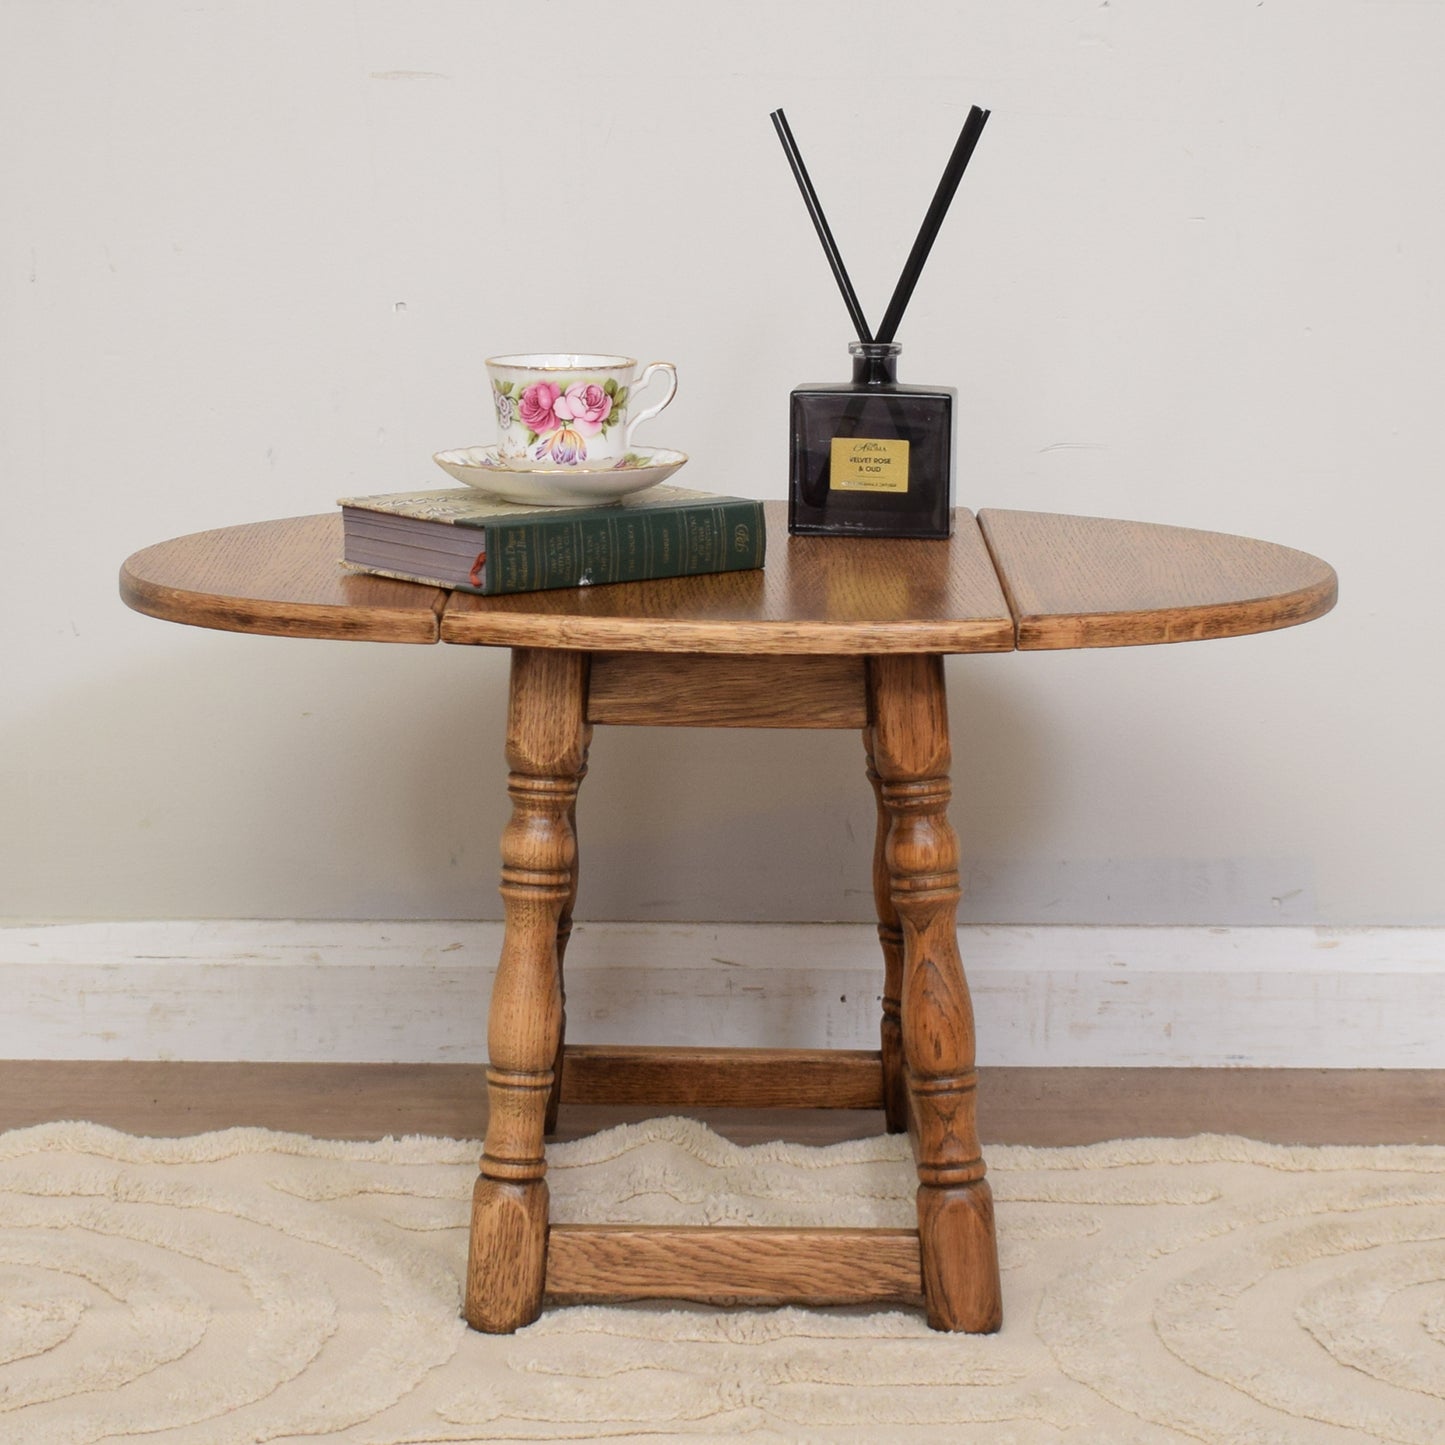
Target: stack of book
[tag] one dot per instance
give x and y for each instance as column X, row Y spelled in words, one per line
column 463, row 539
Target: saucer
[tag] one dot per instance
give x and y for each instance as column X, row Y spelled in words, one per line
column 482, row 468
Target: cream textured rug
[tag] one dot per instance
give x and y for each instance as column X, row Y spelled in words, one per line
column 249, row 1286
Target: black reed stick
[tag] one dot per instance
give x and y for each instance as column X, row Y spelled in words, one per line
column 820, row 224
column 942, row 197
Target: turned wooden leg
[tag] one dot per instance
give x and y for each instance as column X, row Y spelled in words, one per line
column 564, row 934
column 911, row 757
column 890, row 937
column 546, row 746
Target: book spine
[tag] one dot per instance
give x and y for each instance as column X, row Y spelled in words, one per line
column 632, row 545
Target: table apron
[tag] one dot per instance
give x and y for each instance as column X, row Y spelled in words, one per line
column 705, row 690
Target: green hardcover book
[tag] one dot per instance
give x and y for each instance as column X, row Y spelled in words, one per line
column 459, row 538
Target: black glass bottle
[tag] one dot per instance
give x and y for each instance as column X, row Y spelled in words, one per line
column 872, row 458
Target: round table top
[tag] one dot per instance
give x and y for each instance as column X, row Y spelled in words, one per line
column 1005, row 580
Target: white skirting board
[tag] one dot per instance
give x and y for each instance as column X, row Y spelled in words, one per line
column 408, row 992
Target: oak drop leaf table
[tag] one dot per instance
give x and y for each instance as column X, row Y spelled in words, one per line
column 834, row 633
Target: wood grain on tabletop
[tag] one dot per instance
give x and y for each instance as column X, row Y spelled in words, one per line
column 1070, row 581
column 280, row 578
column 1095, row 582
column 814, row 595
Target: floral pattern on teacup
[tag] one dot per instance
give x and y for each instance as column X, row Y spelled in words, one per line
column 560, row 417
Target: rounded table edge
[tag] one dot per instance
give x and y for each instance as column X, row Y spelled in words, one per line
column 753, row 638
column 225, row 612
column 1049, row 632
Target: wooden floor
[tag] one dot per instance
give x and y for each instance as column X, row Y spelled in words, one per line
column 1016, row 1106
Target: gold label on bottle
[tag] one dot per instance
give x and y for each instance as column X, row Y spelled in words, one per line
column 868, row 464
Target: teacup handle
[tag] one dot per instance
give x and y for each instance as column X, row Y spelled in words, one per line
column 652, row 411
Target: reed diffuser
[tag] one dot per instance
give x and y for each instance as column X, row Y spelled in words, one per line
column 873, row 457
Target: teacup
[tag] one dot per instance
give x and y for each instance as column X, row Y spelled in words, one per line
column 569, row 410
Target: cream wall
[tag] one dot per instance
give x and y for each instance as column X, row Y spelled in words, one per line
column 252, row 256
